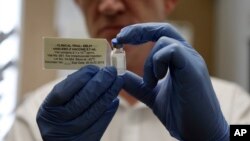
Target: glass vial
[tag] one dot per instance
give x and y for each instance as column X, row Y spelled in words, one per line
column 118, row 59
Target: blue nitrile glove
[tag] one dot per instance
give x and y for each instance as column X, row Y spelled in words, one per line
column 176, row 84
column 80, row 107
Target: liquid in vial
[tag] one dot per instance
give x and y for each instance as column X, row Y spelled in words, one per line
column 118, row 58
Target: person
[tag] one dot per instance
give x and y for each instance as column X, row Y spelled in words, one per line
column 164, row 72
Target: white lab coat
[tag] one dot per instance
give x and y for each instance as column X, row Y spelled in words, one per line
column 135, row 123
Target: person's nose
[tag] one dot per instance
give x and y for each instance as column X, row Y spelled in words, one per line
column 111, row 7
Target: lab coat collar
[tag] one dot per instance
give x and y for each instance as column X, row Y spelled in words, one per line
column 126, row 105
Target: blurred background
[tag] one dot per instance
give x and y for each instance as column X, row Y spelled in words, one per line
column 218, row 29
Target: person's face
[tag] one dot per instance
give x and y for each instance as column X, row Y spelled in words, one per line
column 105, row 18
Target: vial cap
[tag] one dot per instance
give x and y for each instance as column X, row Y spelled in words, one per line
column 115, row 43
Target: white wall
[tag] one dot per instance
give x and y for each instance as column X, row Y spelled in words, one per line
column 232, row 40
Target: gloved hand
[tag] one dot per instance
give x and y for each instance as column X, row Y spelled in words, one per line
column 176, row 84
column 80, row 107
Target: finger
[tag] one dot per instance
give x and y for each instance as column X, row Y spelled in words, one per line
column 73, row 127
column 93, row 90
column 135, row 86
column 141, row 33
column 172, row 56
column 95, row 132
column 152, row 73
column 96, row 110
column 67, row 88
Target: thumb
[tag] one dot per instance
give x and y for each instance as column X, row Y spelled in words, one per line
column 135, row 86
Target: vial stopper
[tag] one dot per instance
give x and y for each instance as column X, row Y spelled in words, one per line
column 115, row 43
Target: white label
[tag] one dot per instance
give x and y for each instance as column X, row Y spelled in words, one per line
column 66, row 53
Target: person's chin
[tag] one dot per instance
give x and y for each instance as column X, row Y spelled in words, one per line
column 109, row 34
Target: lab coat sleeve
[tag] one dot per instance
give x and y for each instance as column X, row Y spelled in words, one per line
column 234, row 101
column 240, row 113
column 25, row 127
